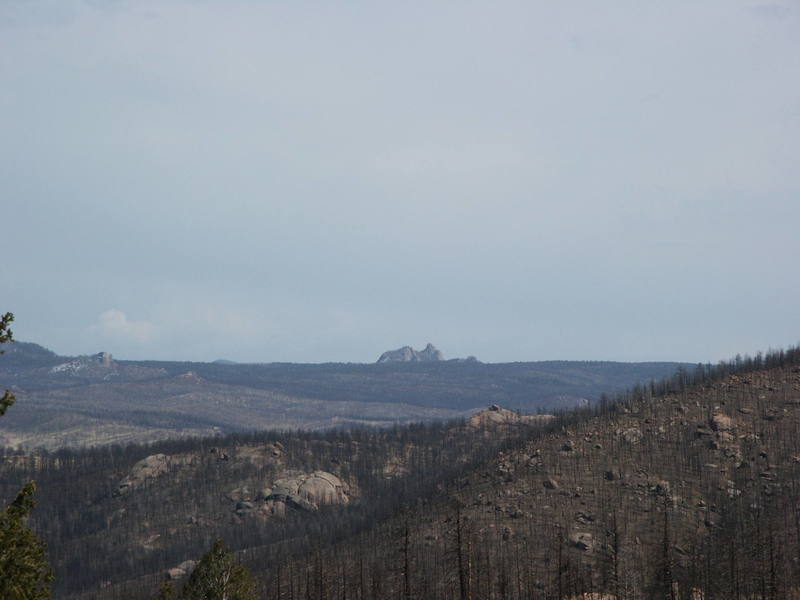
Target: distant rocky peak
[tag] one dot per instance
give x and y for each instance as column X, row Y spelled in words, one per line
column 430, row 353
column 408, row 354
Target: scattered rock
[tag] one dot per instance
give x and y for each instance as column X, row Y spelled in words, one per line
column 239, row 494
column 581, row 540
column 261, row 455
column 191, row 377
column 632, row 435
column 395, row 467
column 150, row 542
column 721, row 422
column 703, row 430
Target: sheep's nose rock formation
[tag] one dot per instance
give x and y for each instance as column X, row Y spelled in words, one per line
column 408, row 354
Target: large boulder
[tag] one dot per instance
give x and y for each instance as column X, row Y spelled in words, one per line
column 721, row 422
column 308, row 491
column 182, row 570
column 496, row 415
column 299, row 491
column 582, row 540
column 144, row 470
column 323, row 488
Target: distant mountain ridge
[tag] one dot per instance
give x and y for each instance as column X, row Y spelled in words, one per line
column 95, row 400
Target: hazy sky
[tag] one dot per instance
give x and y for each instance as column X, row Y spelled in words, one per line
column 322, row 181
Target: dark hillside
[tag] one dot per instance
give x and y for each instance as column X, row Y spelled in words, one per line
column 26, row 355
column 690, row 489
column 688, row 484
column 127, row 515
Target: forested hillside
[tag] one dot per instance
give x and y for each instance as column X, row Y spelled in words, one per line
column 688, row 489
column 118, row 518
column 685, row 488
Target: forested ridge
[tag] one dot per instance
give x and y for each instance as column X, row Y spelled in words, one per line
column 95, row 400
column 684, row 488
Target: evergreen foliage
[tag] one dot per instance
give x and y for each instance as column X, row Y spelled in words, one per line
column 6, row 335
column 167, row 592
column 24, row 572
column 218, row 576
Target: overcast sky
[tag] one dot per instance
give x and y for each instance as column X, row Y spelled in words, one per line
column 323, row 181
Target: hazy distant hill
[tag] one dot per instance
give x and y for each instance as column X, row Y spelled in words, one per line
column 97, row 400
column 26, row 356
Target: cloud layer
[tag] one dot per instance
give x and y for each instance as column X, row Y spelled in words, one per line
column 297, row 181
column 115, row 325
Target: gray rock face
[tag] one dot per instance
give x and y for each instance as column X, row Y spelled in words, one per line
column 408, row 354
column 292, row 490
column 182, row 570
column 430, row 353
column 147, row 468
column 309, row 491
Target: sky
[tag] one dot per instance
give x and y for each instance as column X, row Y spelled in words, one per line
column 322, row 181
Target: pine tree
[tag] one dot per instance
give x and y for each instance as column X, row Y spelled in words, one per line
column 219, row 577
column 166, row 592
column 6, row 335
column 24, row 572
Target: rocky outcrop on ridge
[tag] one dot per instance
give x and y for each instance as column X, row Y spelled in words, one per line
column 156, row 465
column 408, row 354
column 291, row 490
column 495, row 415
column 148, row 468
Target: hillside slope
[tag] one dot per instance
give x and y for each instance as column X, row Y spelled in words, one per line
column 688, row 488
column 692, row 494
